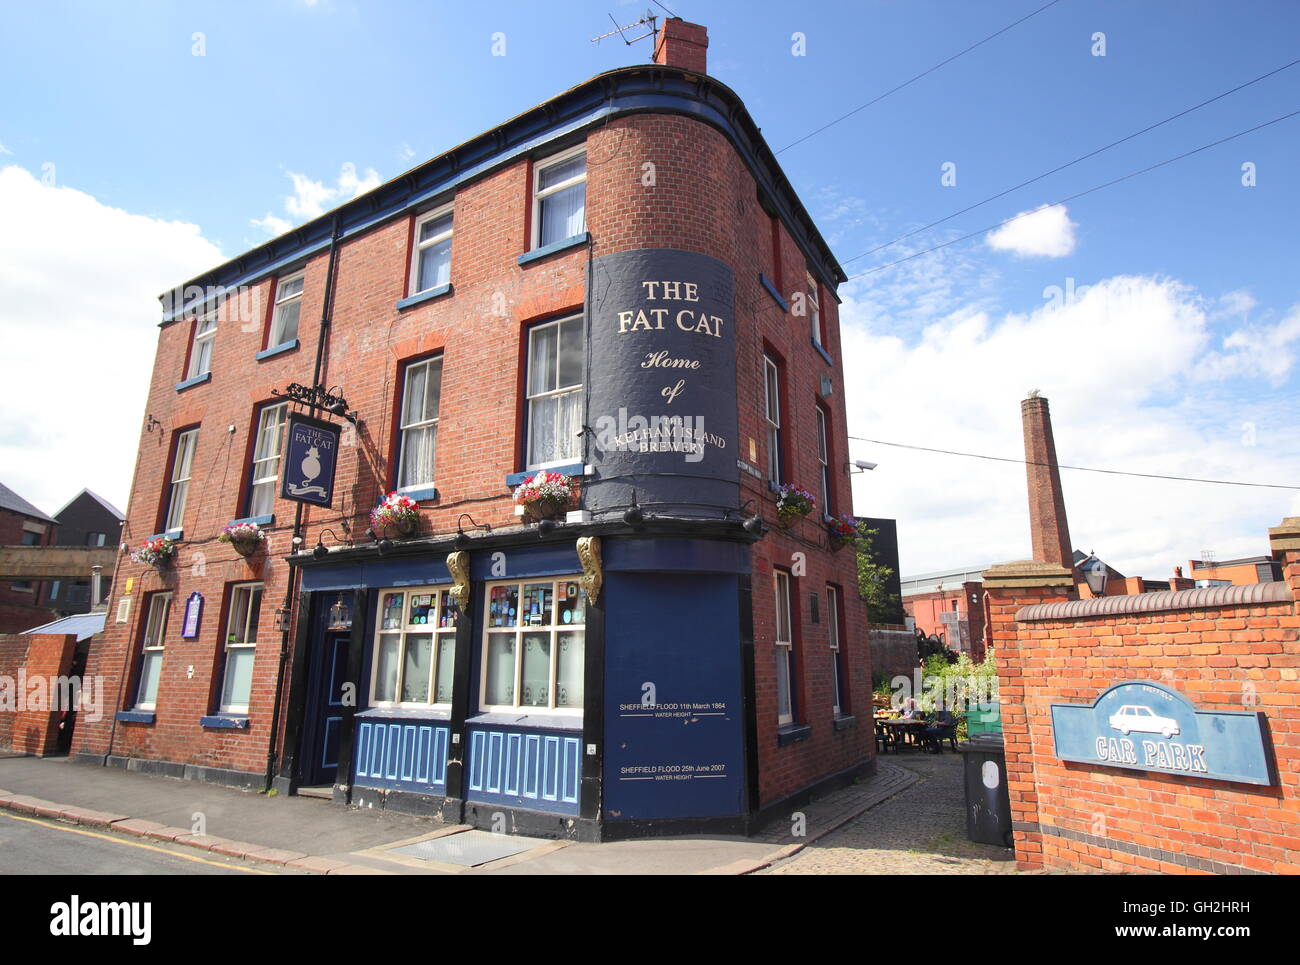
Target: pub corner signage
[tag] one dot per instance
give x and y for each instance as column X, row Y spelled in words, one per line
column 311, row 456
column 1146, row 726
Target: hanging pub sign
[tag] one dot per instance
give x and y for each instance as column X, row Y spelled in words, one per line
column 311, row 455
column 193, row 614
column 1146, row 726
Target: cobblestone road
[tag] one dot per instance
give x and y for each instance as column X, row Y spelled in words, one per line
column 919, row 830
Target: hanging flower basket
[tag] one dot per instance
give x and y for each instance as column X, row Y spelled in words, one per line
column 157, row 552
column 793, row 503
column 244, row 538
column 545, row 495
column 843, row 531
column 396, row 515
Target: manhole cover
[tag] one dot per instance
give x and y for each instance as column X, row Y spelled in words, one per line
column 469, row 848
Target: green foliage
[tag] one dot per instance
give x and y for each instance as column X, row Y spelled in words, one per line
column 957, row 686
column 873, row 580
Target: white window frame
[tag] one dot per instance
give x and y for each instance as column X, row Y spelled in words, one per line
column 824, row 458
column 417, row 246
column 254, row 480
column 182, row 472
column 152, row 643
column 772, row 416
column 519, row 630
column 541, row 194
column 404, row 427
column 557, row 392
column 833, row 637
column 203, row 344
column 814, row 309
column 275, row 337
column 252, row 615
column 404, row 629
column 783, row 644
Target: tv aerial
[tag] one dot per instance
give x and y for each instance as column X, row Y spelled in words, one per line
column 649, row 18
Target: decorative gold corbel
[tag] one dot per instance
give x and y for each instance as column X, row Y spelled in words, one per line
column 458, row 567
column 589, row 555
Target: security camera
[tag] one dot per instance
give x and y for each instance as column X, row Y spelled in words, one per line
column 864, row 465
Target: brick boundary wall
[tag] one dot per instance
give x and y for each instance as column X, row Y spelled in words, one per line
column 47, row 655
column 1236, row 656
column 893, row 652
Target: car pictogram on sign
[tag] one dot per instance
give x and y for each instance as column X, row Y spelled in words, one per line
column 1144, row 720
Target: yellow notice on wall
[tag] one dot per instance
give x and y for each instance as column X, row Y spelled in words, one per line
column 130, row 580
column 753, row 450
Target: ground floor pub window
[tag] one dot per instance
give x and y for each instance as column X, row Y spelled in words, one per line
column 241, row 647
column 155, row 632
column 415, row 648
column 534, row 645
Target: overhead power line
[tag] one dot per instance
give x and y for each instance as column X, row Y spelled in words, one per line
column 924, row 73
column 1067, row 164
column 1109, row 472
column 1073, row 197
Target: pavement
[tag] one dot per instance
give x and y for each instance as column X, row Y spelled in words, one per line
column 838, row 833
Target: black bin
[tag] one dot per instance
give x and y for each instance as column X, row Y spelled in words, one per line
column 988, row 804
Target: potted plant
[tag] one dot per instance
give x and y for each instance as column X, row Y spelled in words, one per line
column 545, row 495
column 793, row 503
column 843, row 531
column 156, row 551
column 244, row 538
column 396, row 515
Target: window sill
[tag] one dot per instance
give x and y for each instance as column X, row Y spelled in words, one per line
column 405, row 713
column 425, row 494
column 175, row 535
column 267, row 520
column 190, row 383
column 274, row 350
column 421, row 297
column 519, row 478
column 771, row 290
column 224, row 722
column 846, row 722
column 134, row 716
column 822, row 352
column 792, row 734
column 523, row 718
column 536, row 253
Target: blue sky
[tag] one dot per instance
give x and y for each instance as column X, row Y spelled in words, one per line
column 295, row 105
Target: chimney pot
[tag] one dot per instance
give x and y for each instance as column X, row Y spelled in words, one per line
column 682, row 44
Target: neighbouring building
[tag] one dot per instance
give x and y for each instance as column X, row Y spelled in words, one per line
column 23, row 603
column 87, row 520
column 618, row 285
column 948, row 604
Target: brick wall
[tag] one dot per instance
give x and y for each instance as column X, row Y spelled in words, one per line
column 1227, row 658
column 34, row 729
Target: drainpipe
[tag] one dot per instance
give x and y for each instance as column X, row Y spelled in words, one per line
column 327, row 311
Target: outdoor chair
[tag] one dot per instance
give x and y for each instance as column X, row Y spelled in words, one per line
column 943, row 728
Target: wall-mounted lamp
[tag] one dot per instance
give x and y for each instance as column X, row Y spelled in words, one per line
column 340, row 615
column 150, row 422
column 319, row 551
column 282, row 619
column 633, row 515
column 753, row 523
column 462, row 538
column 1095, row 572
column 545, row 527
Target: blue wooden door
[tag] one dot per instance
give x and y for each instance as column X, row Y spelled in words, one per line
column 325, row 710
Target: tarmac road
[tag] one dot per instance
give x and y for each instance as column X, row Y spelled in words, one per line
column 35, row 846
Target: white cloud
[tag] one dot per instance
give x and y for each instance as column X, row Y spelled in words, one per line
column 5, row 150
column 1128, row 368
column 312, row 198
column 1264, row 350
column 78, row 313
column 405, row 153
column 1045, row 232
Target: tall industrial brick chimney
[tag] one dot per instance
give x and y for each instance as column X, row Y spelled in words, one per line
column 682, row 44
column 1048, row 527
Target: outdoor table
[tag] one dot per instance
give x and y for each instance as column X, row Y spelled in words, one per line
column 905, row 727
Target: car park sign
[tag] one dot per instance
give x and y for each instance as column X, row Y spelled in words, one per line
column 1147, row 726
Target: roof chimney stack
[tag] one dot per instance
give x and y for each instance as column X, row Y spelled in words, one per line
column 682, row 44
column 1048, row 527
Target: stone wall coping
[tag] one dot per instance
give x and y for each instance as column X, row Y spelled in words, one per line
column 1027, row 573
column 1201, row 598
column 1285, row 536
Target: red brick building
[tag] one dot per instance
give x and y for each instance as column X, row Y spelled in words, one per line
column 619, row 285
column 23, row 602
